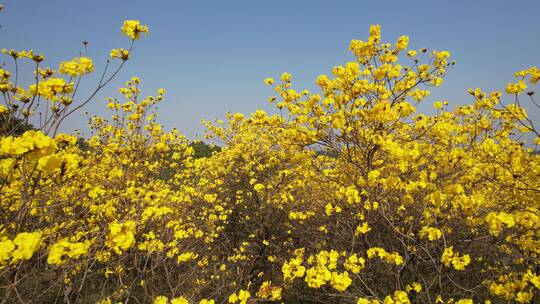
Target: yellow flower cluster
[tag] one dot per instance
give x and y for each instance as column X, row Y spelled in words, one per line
column 121, row 236
column 324, row 271
column 450, row 257
column 496, row 221
column 268, row 291
column 293, row 269
column 516, row 88
column 133, row 29
column 22, row 247
column 431, row 233
column 76, row 67
column 52, row 88
column 33, row 143
column 399, row 297
column 512, row 287
column 120, row 53
column 242, row 297
column 391, row 258
column 178, row 300
column 354, row 264
column 65, row 247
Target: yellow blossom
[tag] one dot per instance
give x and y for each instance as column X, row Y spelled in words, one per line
column 133, row 29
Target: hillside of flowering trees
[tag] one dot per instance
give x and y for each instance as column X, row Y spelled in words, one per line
column 348, row 196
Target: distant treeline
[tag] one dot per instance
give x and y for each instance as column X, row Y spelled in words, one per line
column 203, row 149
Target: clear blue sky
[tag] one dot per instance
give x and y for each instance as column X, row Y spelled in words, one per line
column 212, row 56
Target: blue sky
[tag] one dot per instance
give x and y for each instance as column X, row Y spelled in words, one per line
column 212, row 56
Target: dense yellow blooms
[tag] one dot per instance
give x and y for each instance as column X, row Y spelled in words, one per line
column 348, row 195
column 52, row 88
column 33, row 143
column 121, row 236
column 76, row 67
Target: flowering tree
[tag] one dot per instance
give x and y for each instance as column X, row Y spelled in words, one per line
column 347, row 196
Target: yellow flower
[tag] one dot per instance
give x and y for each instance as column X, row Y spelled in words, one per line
column 458, row 262
column 286, row 77
column 211, row 198
column 76, row 67
column 65, row 138
column 362, row 229
column 431, row 233
column 186, row 257
column 51, row 88
column 56, row 252
column 293, row 269
column 447, row 256
column 64, row 247
column 33, row 142
column 374, row 34
column 402, row 42
column 6, row 248
column 523, row 297
column 50, row 164
column 121, row 236
column 340, row 281
column 119, row 53
column 441, row 58
column 393, row 258
column 161, row 300
column 530, row 276
column 399, row 297
column 27, row 244
column 414, row 286
column 259, row 187
column 133, row 29
column 241, row 297
column 516, row 88
column 373, row 175
column 496, row 221
column 354, row 264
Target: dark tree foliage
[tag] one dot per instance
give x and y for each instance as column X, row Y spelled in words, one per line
column 203, row 149
column 13, row 126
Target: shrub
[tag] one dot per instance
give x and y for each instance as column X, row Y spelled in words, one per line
column 348, row 196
